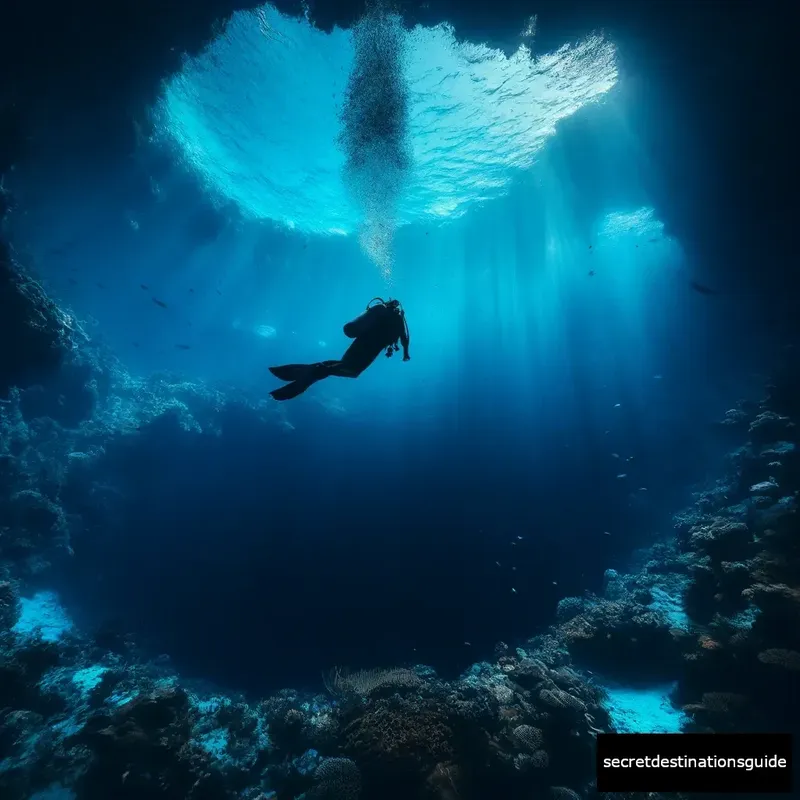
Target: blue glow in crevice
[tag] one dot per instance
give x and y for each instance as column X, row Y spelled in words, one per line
column 257, row 116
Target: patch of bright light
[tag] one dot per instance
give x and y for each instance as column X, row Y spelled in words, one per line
column 257, row 117
column 215, row 742
column 643, row 710
column 119, row 699
column 641, row 223
column 89, row 678
column 671, row 607
column 42, row 615
column 209, row 705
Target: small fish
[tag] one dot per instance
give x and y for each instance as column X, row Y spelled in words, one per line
column 183, row 346
column 591, row 273
column 519, row 537
column 701, row 288
column 135, row 344
column 73, row 282
column 657, row 377
column 498, row 563
column 468, row 644
column 100, row 286
column 621, row 476
column 607, row 533
column 145, row 287
column 513, row 591
column 642, row 488
column 590, row 247
column 615, row 455
column 219, row 292
column 652, row 241
column 555, row 583
column 159, row 303
column 513, row 569
column 618, row 405
column 191, row 290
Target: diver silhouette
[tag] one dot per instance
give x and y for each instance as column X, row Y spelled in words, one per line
column 379, row 328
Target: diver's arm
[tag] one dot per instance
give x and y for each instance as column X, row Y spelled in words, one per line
column 404, row 338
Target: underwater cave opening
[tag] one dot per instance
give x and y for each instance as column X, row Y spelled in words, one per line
column 553, row 340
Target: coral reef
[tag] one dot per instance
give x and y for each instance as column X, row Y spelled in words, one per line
column 744, row 583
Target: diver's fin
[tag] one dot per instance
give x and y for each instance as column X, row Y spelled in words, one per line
column 291, row 372
column 293, row 389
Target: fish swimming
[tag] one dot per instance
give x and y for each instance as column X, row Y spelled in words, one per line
column 159, row 303
column 183, row 346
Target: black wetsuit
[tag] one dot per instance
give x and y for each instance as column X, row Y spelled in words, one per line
column 385, row 327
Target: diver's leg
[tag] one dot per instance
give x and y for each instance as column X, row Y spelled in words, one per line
column 290, row 390
column 298, row 372
column 290, row 372
column 344, row 370
column 356, row 358
column 312, row 373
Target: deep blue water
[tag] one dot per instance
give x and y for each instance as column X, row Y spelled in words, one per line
column 563, row 380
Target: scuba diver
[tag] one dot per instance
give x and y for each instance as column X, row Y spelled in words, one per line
column 379, row 328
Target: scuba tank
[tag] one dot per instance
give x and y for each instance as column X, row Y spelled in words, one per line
column 363, row 322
